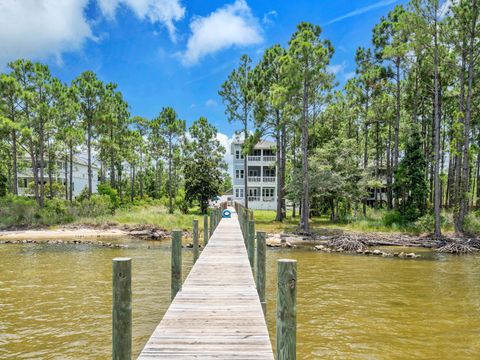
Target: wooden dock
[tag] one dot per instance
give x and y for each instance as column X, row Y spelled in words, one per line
column 217, row 314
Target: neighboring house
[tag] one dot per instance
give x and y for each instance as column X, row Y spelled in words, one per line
column 80, row 176
column 378, row 196
column 261, row 175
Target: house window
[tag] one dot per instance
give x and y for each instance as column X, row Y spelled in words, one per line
column 269, row 172
column 239, row 174
column 267, row 192
column 239, row 193
column 238, row 155
column 22, row 183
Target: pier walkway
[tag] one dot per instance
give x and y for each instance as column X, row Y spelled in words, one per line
column 217, row 314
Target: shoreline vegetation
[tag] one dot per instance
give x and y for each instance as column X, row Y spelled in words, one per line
column 154, row 222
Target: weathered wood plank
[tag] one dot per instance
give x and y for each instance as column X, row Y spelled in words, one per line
column 217, row 314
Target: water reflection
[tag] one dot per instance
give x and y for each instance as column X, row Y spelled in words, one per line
column 55, row 302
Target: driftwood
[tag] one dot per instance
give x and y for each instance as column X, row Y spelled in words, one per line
column 458, row 247
column 349, row 243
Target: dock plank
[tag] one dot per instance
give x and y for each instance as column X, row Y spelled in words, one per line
column 217, row 314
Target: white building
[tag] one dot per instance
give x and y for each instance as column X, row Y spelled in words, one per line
column 261, row 175
column 80, row 176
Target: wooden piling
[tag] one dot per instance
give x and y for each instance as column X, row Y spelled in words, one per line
column 205, row 230
column 261, row 268
column 245, row 225
column 122, row 309
column 286, row 309
column 211, row 222
column 251, row 243
column 195, row 241
column 176, row 262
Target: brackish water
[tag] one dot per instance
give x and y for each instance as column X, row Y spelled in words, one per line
column 55, row 302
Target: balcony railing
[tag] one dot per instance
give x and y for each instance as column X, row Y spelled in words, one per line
column 254, row 179
column 269, row 158
column 265, row 158
column 269, row 179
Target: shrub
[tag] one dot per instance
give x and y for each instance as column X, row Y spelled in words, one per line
column 97, row 205
column 105, row 189
column 472, row 224
column 56, row 211
column 18, row 210
column 392, row 218
column 425, row 223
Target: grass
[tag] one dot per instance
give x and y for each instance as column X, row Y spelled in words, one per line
column 373, row 222
column 155, row 215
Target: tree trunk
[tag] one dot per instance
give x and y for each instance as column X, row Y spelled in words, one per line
column 245, row 156
column 305, row 207
column 436, row 138
column 42, row 164
column 70, row 188
column 279, row 215
column 65, row 174
column 397, row 118
column 89, row 157
column 389, row 169
column 468, row 114
column 170, row 189
column 283, row 161
column 14, row 162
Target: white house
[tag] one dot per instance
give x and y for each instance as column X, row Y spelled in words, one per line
column 80, row 176
column 261, row 175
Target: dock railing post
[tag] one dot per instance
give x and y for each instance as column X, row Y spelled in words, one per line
column 195, row 241
column 176, row 262
column 261, row 268
column 286, row 309
column 122, row 309
column 211, row 222
column 205, row 230
column 245, row 225
column 251, row 243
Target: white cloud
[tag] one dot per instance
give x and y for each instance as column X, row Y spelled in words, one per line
column 210, row 103
column 230, row 25
column 41, row 28
column 165, row 12
column 226, row 142
column 337, row 68
column 268, row 17
column 349, row 75
column 362, row 10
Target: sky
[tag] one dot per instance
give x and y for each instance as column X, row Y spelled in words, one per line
column 175, row 52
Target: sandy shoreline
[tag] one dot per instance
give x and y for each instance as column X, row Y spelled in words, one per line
column 62, row 233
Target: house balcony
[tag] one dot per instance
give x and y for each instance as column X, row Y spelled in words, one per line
column 261, row 159
column 260, row 179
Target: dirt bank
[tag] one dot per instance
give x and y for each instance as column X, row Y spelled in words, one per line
column 146, row 232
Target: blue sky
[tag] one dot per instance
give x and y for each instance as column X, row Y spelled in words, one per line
column 175, row 52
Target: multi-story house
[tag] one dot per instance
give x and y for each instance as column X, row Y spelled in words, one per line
column 80, row 176
column 261, row 175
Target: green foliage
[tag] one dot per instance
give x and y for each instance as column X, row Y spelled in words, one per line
column 410, row 185
column 96, row 205
column 203, row 164
column 107, row 190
